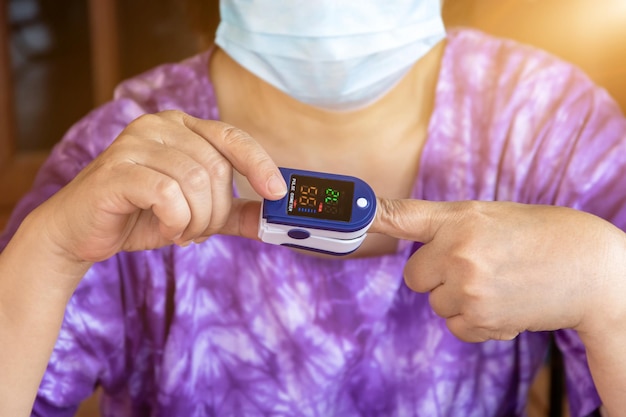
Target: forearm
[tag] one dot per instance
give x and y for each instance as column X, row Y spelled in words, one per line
column 36, row 283
column 603, row 332
column 607, row 361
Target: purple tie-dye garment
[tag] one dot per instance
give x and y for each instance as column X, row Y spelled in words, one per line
column 233, row 327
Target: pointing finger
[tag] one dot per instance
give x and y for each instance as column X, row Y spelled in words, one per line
column 415, row 220
column 244, row 153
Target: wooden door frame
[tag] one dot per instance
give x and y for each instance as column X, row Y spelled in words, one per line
column 17, row 168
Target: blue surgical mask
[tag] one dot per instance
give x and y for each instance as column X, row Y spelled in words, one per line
column 333, row 54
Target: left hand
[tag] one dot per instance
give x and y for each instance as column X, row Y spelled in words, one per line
column 495, row 269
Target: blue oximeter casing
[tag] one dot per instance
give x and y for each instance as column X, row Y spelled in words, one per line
column 322, row 212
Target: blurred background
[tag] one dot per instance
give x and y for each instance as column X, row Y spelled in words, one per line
column 60, row 58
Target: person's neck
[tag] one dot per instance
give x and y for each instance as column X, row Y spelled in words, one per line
column 276, row 119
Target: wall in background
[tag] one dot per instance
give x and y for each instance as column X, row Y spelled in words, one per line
column 50, row 47
column 50, row 53
column 588, row 33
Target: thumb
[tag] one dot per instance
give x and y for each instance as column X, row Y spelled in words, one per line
column 243, row 219
column 415, row 220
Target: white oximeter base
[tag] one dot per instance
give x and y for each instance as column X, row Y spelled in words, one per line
column 280, row 235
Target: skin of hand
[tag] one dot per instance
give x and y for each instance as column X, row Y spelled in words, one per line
column 496, row 269
column 166, row 179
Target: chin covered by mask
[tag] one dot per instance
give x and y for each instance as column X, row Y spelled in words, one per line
column 333, row 54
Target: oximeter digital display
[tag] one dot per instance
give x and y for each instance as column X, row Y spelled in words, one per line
column 322, row 212
column 320, row 198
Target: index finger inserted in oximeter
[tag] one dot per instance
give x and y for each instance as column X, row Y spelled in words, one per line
column 322, row 212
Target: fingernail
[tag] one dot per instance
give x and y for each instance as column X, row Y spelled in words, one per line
column 277, row 186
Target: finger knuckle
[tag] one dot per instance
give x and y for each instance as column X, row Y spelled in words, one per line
column 411, row 282
column 414, row 282
column 173, row 114
column 473, row 213
column 220, row 169
column 167, row 189
column 233, row 136
column 197, row 178
column 147, row 119
column 469, row 207
column 462, row 261
column 254, row 154
column 474, row 303
column 147, row 126
column 218, row 221
column 436, row 304
column 391, row 212
column 480, row 317
column 112, row 165
column 504, row 335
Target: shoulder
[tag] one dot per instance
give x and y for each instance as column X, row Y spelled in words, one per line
column 500, row 80
column 183, row 86
column 487, row 60
column 534, row 94
column 496, row 70
column 528, row 124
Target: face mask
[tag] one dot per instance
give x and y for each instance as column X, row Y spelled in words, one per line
column 333, row 54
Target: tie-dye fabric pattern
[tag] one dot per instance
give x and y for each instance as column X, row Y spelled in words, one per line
column 233, row 327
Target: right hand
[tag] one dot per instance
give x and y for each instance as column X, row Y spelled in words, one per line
column 496, row 269
column 166, row 179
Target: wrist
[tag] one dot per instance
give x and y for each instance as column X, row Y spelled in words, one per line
column 34, row 260
column 602, row 328
column 605, row 311
column 37, row 280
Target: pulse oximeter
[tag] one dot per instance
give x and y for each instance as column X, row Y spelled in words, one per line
column 321, row 212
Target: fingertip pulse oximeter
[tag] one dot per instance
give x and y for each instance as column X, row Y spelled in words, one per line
column 321, row 212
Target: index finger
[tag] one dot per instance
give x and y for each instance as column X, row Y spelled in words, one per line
column 245, row 154
column 415, row 220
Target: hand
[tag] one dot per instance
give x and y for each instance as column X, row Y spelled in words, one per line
column 495, row 269
column 166, row 179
